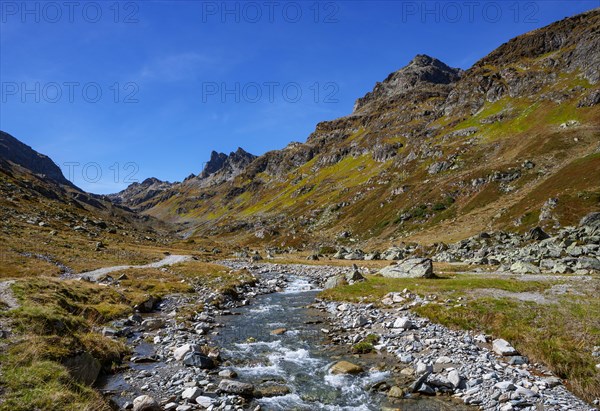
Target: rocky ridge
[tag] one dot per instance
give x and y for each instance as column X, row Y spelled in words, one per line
column 494, row 137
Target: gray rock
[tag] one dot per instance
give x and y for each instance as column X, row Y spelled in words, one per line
column 145, row 403
column 404, row 323
column 227, row 374
column 355, row 275
column 537, row 234
column 196, row 359
column 518, row 360
column 591, row 220
column 204, row 401
column 552, row 381
column 422, row 368
column 505, row 386
column 236, row 387
column 522, row 267
column 503, row 347
column 191, row 393
column 153, row 324
column 410, row 268
column 414, row 387
column 587, row 263
column 335, row 281
column 180, row 352
column 455, row 378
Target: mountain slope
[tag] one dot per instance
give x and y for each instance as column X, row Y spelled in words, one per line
column 17, row 153
column 431, row 154
column 50, row 226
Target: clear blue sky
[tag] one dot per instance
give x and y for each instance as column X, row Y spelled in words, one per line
column 181, row 78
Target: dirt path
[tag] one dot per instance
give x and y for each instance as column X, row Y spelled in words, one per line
column 169, row 260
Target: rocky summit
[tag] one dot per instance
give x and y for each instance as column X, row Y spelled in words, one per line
column 437, row 248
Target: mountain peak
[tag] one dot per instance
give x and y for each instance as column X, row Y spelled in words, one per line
column 422, row 70
column 231, row 163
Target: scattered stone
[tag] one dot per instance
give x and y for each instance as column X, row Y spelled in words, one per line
column 236, row 387
column 145, row 403
column 396, row 392
column 191, row 393
column 345, row 367
column 503, row 347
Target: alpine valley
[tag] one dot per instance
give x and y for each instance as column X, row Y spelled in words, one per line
column 436, row 249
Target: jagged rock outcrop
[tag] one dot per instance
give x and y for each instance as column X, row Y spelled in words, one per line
column 222, row 167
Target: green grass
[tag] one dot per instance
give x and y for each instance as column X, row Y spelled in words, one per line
column 57, row 318
column 46, row 385
column 377, row 287
column 362, row 347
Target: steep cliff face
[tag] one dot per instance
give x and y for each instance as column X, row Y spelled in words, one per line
column 431, row 152
column 15, row 152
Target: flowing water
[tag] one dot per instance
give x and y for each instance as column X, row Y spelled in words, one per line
column 299, row 358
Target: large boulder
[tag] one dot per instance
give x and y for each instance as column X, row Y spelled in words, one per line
column 236, row 387
column 409, row 268
column 145, row 403
column 354, row 275
column 345, row 367
column 522, row 267
column 537, row 234
column 393, row 253
column 180, row 352
column 341, row 253
column 271, row 389
column 148, row 304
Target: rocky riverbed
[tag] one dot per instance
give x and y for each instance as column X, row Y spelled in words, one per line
column 237, row 354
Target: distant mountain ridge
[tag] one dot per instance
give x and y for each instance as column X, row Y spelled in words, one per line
column 219, row 169
column 432, row 153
